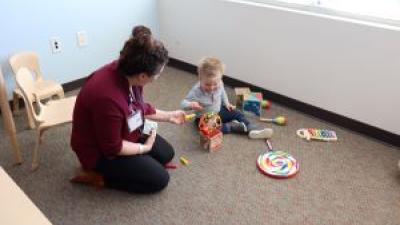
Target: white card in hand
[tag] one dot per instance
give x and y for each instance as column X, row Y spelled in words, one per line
column 148, row 126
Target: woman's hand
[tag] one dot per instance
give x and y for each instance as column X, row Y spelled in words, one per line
column 148, row 144
column 177, row 117
column 196, row 106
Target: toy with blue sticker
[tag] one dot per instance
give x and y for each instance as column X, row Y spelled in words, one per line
column 253, row 102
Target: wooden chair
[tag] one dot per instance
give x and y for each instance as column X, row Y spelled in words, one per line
column 54, row 113
column 8, row 120
column 43, row 88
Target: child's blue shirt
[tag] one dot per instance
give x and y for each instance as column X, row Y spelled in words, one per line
column 210, row 101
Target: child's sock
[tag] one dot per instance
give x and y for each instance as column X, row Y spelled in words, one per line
column 237, row 127
column 251, row 127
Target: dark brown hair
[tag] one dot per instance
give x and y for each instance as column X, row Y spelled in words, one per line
column 142, row 54
column 140, row 30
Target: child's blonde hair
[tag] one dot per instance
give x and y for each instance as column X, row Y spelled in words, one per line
column 210, row 67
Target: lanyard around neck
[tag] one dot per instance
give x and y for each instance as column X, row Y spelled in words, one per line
column 134, row 96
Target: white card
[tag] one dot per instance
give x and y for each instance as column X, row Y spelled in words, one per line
column 148, row 126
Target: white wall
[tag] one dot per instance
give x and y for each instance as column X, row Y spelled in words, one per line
column 345, row 67
column 28, row 25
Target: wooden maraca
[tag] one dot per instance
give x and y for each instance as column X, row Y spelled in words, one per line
column 280, row 120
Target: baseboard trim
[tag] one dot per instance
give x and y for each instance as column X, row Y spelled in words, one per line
column 351, row 124
column 73, row 85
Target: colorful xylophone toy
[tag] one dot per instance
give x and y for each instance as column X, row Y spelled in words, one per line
column 317, row 134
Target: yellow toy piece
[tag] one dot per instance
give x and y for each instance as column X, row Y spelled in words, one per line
column 190, row 116
column 184, row 161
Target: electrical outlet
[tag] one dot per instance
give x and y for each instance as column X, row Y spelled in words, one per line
column 82, row 38
column 55, row 44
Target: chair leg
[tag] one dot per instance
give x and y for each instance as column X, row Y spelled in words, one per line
column 29, row 116
column 35, row 160
column 15, row 103
column 9, row 126
column 15, row 146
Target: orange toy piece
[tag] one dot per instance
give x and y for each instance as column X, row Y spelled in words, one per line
column 213, row 143
column 210, row 133
column 210, row 124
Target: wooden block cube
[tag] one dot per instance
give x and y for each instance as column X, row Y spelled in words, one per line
column 253, row 103
column 240, row 92
column 211, row 143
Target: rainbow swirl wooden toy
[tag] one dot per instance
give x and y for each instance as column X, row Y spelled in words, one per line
column 278, row 164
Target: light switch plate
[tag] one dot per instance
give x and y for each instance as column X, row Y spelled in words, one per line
column 82, row 38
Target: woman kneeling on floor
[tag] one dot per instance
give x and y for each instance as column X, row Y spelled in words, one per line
column 108, row 121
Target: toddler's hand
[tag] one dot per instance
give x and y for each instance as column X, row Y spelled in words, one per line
column 230, row 107
column 196, row 106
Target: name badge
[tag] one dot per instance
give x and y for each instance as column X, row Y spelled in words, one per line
column 135, row 120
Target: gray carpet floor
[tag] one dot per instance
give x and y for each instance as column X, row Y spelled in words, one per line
column 352, row 181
